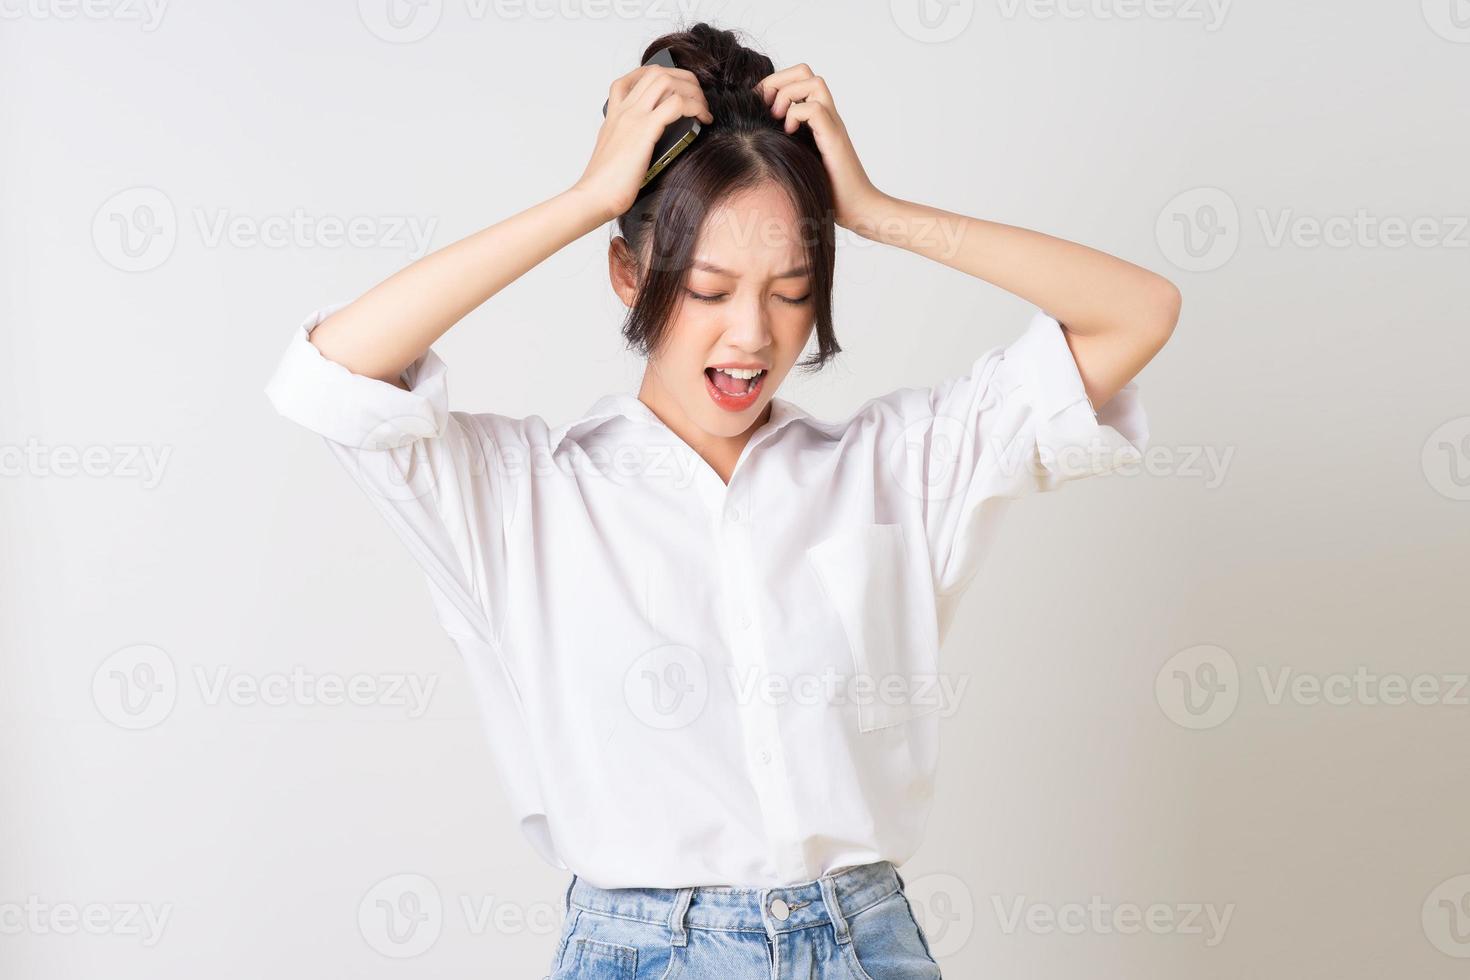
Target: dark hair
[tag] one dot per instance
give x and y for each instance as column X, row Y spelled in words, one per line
column 744, row 147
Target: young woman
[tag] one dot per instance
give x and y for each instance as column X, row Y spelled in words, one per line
column 703, row 624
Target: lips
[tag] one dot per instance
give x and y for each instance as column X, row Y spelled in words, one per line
column 733, row 394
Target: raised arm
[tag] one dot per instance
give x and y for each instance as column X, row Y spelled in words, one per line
column 1115, row 315
column 394, row 323
column 390, row 326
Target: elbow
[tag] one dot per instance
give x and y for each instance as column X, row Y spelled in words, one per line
column 1163, row 306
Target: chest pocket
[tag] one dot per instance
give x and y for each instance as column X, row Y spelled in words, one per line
column 880, row 591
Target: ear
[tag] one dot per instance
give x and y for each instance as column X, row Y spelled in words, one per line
column 622, row 270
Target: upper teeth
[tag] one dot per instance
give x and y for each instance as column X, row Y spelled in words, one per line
column 745, row 373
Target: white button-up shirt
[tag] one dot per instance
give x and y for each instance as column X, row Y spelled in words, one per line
column 691, row 683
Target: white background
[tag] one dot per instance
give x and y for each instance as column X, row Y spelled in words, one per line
column 1306, row 517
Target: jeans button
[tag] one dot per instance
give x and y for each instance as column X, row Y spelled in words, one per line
column 780, row 910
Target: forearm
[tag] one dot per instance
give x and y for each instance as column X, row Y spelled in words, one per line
column 1090, row 292
column 394, row 323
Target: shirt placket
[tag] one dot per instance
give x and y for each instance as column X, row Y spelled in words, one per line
column 759, row 714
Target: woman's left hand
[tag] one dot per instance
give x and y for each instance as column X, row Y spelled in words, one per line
column 797, row 96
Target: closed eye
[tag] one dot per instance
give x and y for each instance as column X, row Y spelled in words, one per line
column 719, row 296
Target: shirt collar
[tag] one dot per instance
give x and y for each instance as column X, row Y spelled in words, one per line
column 629, row 406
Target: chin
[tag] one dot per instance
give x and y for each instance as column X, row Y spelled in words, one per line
column 718, row 421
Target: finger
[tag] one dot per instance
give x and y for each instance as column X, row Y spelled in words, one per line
column 814, row 114
column 634, row 85
column 812, row 89
column 648, row 86
column 676, row 107
column 689, row 103
column 662, row 87
column 623, row 85
column 771, row 84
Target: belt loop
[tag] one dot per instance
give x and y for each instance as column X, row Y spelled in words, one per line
column 566, row 900
column 676, row 918
column 834, row 910
column 901, row 885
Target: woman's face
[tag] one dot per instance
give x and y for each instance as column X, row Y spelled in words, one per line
column 756, row 315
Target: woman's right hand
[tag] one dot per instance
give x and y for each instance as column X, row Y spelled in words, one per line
column 640, row 105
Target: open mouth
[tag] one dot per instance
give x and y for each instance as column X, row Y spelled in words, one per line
column 733, row 389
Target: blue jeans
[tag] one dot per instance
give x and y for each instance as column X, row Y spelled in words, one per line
column 854, row 924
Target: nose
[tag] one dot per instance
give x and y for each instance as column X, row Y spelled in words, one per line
column 748, row 327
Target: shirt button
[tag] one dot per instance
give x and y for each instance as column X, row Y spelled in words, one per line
column 766, row 757
column 743, row 620
column 780, row 910
column 735, row 515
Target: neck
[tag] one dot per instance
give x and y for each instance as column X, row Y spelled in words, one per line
column 720, row 452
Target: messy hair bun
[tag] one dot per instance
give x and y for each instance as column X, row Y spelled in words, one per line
column 744, row 147
column 726, row 69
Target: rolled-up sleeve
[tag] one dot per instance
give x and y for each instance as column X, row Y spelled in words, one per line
column 352, row 410
column 1018, row 422
column 430, row 472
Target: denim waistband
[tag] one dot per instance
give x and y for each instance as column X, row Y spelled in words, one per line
column 729, row 909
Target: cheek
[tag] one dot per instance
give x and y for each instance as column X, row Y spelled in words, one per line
column 687, row 343
column 796, row 326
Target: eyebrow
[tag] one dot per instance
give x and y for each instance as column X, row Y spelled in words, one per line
column 793, row 273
